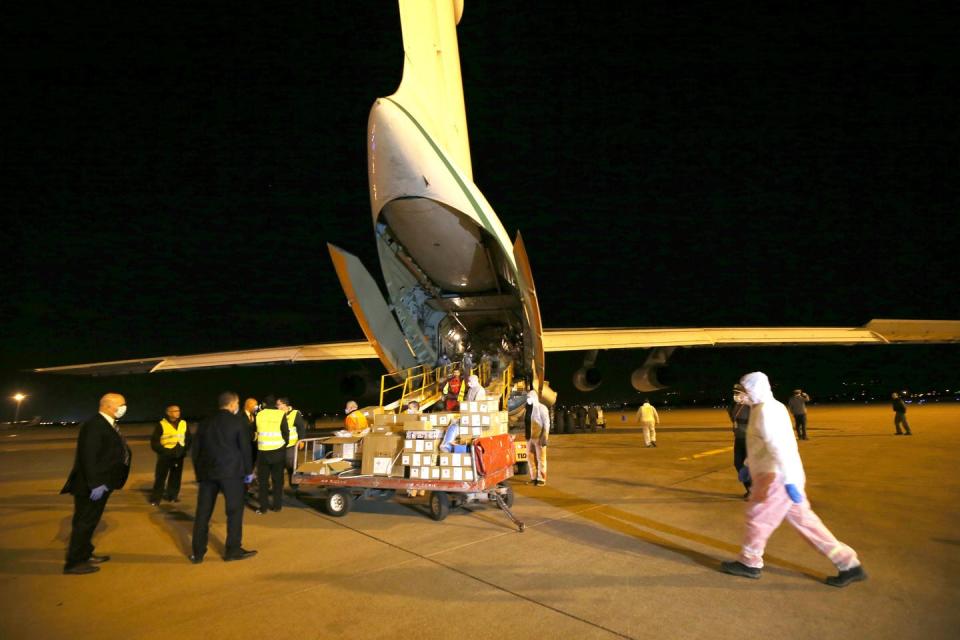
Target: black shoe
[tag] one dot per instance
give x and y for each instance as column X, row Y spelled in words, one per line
column 908, row 433
column 746, row 494
column 898, row 433
column 196, row 559
column 80, row 569
column 737, row 568
column 654, row 444
column 97, row 559
column 842, row 579
column 242, row 554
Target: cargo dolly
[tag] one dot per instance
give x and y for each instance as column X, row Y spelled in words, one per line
column 492, row 459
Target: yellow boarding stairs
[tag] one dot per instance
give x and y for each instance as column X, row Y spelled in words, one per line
column 424, row 384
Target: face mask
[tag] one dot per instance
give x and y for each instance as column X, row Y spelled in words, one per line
column 121, row 411
column 412, row 410
column 529, row 400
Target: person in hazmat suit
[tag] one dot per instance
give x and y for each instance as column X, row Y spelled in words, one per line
column 475, row 391
column 773, row 463
column 648, row 418
column 537, row 423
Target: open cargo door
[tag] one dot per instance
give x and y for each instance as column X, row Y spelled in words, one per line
column 372, row 312
column 531, row 311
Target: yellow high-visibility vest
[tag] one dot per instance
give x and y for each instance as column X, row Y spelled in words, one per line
column 269, row 436
column 173, row 435
column 292, row 427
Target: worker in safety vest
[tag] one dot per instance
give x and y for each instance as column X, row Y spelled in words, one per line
column 170, row 440
column 453, row 391
column 297, row 426
column 354, row 420
column 273, row 435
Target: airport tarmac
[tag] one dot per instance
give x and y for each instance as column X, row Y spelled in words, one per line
column 623, row 542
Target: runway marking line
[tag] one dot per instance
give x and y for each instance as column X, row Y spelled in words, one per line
column 704, row 454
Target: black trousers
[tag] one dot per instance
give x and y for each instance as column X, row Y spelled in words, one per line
column 168, row 472
column 86, row 517
column 233, row 492
column 739, row 455
column 270, row 465
column 801, row 419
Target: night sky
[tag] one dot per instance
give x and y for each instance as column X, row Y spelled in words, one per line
column 172, row 176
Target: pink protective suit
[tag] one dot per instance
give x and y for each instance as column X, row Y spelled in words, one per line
column 774, row 462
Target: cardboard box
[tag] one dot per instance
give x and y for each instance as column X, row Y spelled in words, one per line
column 425, row 434
column 457, row 474
column 468, row 475
column 465, row 420
column 446, row 473
column 414, row 473
column 470, row 406
column 348, row 447
column 382, row 419
column 483, row 407
column 406, row 459
column 424, row 473
column 434, row 473
column 428, row 460
column 445, row 459
column 378, row 446
column 485, row 421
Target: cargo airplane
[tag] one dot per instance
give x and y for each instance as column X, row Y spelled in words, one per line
column 454, row 278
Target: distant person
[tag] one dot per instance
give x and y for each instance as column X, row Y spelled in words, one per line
column 560, row 420
column 101, row 466
column 170, row 441
column 250, row 406
column 798, row 407
column 581, row 417
column 413, row 407
column 354, row 420
column 453, row 391
column 296, row 429
column 475, row 391
column 273, row 435
column 739, row 412
column 648, row 418
column 773, row 460
column 467, row 363
column 536, row 420
column 221, row 460
column 899, row 415
column 443, row 360
column 593, row 417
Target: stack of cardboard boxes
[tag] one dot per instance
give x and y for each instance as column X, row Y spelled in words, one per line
column 402, row 445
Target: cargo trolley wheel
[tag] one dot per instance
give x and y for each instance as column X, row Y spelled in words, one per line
column 439, row 505
column 338, row 503
column 507, row 496
column 523, row 468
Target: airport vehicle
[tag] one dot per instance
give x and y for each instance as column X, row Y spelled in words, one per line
column 454, row 279
column 489, row 472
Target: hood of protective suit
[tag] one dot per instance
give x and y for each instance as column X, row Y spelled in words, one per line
column 757, row 386
column 532, row 395
column 473, row 382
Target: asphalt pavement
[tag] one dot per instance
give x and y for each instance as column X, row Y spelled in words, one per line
column 623, row 542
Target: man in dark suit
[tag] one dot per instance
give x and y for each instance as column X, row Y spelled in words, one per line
column 101, row 465
column 222, row 463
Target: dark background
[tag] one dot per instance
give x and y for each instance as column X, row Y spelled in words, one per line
column 172, row 174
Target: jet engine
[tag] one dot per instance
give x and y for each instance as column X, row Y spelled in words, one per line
column 648, row 377
column 588, row 377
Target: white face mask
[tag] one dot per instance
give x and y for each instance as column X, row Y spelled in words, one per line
column 529, row 400
column 412, row 410
column 120, row 412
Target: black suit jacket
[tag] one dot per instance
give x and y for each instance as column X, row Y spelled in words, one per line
column 221, row 448
column 100, row 457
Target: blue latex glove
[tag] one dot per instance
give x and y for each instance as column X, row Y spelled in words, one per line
column 98, row 492
column 744, row 474
column 248, row 479
column 794, row 493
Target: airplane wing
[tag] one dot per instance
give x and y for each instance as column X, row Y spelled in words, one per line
column 250, row 357
column 874, row 332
